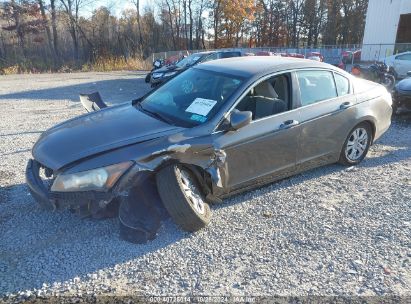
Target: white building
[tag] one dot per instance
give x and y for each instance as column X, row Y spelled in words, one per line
column 388, row 23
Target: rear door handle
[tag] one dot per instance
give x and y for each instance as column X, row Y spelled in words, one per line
column 289, row 123
column 345, row 105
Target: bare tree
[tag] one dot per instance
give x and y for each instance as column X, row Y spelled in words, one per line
column 46, row 25
column 140, row 35
column 33, row 29
column 54, row 28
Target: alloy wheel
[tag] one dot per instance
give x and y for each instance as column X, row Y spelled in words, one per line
column 192, row 192
column 356, row 144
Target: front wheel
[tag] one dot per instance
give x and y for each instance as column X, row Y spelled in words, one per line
column 181, row 195
column 356, row 145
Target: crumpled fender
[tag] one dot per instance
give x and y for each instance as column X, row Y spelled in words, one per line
column 211, row 160
column 141, row 210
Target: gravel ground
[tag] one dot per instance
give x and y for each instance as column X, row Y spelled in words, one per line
column 329, row 231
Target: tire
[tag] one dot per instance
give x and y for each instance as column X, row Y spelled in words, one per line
column 393, row 73
column 148, row 78
column 354, row 157
column 182, row 197
column 394, row 107
column 389, row 82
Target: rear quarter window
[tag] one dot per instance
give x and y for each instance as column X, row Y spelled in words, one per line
column 343, row 84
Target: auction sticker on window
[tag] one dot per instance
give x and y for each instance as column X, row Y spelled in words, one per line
column 201, row 106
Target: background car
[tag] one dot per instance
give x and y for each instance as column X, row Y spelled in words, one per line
column 172, row 60
column 402, row 94
column 165, row 73
column 315, row 58
column 315, row 54
column 336, row 61
column 295, row 55
column 399, row 64
column 348, row 56
column 265, row 53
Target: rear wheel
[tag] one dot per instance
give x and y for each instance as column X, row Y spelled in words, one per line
column 181, row 195
column 356, row 145
column 389, row 82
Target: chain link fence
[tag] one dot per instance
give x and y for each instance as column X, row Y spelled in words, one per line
column 331, row 53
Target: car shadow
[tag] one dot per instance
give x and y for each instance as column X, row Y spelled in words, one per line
column 112, row 91
column 59, row 246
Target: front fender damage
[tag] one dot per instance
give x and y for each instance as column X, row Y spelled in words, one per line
column 141, row 210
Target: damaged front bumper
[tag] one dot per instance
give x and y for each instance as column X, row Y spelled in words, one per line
column 92, row 201
column 140, row 210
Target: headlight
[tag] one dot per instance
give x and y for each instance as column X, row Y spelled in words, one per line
column 157, row 75
column 168, row 74
column 99, row 179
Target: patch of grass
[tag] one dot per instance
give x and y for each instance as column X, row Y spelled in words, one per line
column 101, row 64
column 14, row 69
column 116, row 64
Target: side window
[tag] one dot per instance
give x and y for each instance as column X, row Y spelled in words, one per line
column 229, row 54
column 228, row 87
column 343, row 84
column 404, row 57
column 210, row 57
column 316, row 86
column 267, row 98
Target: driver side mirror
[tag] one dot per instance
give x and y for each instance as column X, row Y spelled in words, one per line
column 239, row 119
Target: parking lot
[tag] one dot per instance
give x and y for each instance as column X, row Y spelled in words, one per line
column 329, row 231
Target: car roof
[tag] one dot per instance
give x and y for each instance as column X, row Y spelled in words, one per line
column 203, row 53
column 259, row 65
column 212, row 52
column 408, row 52
column 395, row 55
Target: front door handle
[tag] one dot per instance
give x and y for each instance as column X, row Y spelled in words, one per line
column 345, row 105
column 289, row 123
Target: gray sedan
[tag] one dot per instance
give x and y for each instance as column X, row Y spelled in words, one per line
column 219, row 128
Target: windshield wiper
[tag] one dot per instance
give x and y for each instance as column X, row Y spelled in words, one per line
column 154, row 114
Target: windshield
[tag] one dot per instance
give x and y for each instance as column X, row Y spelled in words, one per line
column 191, row 98
column 190, row 60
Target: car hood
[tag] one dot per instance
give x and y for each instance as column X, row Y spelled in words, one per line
column 95, row 133
column 405, row 85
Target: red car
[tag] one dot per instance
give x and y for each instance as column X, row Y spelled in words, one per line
column 347, row 56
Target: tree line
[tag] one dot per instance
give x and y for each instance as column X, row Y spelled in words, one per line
column 51, row 34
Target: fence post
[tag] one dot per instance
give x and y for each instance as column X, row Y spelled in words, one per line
column 379, row 53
